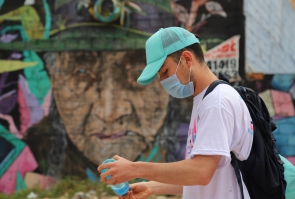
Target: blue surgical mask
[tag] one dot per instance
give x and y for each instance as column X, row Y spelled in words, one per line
column 174, row 88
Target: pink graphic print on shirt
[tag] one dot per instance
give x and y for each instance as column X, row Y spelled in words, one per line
column 251, row 128
column 192, row 134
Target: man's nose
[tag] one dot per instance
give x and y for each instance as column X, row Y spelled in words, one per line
column 113, row 104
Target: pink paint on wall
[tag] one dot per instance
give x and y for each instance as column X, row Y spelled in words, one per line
column 291, row 159
column 283, row 104
column 24, row 110
column 46, row 103
column 25, row 162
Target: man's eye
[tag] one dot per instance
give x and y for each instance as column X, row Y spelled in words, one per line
column 165, row 71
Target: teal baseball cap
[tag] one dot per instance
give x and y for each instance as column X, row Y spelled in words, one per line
column 161, row 44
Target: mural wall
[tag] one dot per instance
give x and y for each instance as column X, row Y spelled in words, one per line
column 69, row 96
column 68, row 92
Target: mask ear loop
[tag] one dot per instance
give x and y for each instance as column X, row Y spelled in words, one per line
column 190, row 72
column 178, row 64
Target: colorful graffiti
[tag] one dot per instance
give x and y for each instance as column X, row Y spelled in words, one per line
column 68, row 92
column 61, row 112
column 277, row 91
column 25, row 90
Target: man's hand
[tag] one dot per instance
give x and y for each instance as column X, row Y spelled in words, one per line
column 140, row 190
column 120, row 171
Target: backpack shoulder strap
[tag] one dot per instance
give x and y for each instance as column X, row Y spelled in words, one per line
column 235, row 165
column 213, row 85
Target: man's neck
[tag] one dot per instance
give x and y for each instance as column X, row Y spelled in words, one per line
column 203, row 80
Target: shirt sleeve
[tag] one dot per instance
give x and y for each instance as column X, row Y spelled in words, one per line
column 214, row 134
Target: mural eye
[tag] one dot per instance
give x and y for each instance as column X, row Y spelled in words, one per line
column 82, row 70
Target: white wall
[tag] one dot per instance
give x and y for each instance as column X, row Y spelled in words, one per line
column 270, row 36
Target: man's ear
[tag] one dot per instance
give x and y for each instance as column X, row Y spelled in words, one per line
column 188, row 58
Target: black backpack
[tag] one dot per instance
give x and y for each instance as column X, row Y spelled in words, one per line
column 263, row 171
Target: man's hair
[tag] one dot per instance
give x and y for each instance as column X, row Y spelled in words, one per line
column 195, row 48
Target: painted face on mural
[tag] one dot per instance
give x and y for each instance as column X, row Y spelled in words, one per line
column 104, row 110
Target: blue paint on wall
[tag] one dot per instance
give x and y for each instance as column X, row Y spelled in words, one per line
column 285, row 135
column 283, row 82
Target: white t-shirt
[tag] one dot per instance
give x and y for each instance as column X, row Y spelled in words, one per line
column 219, row 124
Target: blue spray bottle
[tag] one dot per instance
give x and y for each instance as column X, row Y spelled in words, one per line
column 120, row 189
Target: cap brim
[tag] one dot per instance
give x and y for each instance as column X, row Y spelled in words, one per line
column 150, row 72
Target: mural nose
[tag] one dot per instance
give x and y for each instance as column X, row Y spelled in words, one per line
column 114, row 109
column 114, row 104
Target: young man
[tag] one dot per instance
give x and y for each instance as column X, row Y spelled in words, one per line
column 219, row 124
